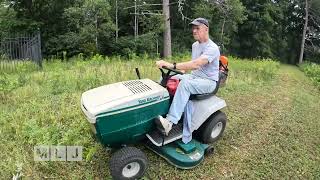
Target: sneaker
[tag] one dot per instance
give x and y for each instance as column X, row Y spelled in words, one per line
column 165, row 124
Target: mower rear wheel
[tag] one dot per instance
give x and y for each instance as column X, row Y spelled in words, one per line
column 128, row 163
column 213, row 128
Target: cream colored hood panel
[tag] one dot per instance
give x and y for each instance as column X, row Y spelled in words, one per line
column 114, row 97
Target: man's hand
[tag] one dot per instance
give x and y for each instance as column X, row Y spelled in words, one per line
column 162, row 63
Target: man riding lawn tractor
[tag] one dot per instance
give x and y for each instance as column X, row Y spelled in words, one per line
column 203, row 78
column 129, row 112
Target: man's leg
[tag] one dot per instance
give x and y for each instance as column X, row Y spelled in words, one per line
column 167, row 124
column 187, row 86
column 187, row 117
column 187, row 132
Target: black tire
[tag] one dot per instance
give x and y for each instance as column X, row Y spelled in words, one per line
column 209, row 151
column 213, row 128
column 128, row 163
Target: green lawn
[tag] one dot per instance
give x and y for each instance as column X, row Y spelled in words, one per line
column 272, row 132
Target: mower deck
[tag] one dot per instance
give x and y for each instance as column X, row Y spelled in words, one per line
column 171, row 148
column 183, row 156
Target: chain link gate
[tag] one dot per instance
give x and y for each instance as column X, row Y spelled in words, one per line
column 22, row 47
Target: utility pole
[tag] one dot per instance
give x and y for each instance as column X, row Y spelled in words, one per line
column 167, row 29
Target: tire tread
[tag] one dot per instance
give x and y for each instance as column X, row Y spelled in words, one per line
column 122, row 157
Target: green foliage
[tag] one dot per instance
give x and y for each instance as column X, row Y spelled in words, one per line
column 249, row 29
column 6, row 85
column 230, row 12
column 20, row 69
column 312, row 70
column 255, row 35
column 69, row 42
column 146, row 43
column 89, row 25
column 9, row 23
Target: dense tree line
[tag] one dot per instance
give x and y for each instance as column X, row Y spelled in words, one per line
column 245, row 28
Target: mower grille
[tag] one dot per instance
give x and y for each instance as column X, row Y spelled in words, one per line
column 137, row 86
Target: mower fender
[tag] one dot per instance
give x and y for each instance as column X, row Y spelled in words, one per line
column 204, row 108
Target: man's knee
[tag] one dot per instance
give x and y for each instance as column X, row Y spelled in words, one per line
column 183, row 84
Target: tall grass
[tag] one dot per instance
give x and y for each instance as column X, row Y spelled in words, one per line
column 42, row 107
column 312, row 70
column 245, row 74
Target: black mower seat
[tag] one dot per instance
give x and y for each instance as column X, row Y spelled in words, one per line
column 206, row 95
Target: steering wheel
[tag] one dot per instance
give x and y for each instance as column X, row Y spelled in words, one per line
column 168, row 75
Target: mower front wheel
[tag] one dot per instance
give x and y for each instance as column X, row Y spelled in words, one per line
column 128, row 163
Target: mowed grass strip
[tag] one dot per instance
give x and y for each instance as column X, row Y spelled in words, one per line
column 276, row 135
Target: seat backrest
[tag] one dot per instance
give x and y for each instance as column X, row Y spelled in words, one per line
column 206, row 95
column 223, row 75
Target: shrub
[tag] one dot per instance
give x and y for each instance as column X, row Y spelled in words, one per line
column 312, row 70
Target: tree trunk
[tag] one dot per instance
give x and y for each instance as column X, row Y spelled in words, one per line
column 117, row 28
column 304, row 31
column 135, row 19
column 167, row 29
column 96, row 39
column 221, row 35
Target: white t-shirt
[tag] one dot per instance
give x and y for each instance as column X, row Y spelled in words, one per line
column 210, row 51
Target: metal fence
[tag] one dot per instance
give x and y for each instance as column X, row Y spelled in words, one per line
column 22, row 47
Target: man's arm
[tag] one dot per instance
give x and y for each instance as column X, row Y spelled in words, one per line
column 190, row 65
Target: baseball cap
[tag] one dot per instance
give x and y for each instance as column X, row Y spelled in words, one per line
column 199, row 21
